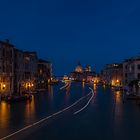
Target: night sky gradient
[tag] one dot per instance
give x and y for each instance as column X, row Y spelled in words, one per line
column 93, row 32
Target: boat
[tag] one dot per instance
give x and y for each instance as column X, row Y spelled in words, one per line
column 18, row 98
column 132, row 97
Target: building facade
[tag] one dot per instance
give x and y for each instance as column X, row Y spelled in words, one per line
column 20, row 71
column 84, row 74
column 131, row 70
column 131, row 74
column 30, row 62
column 6, row 68
column 44, row 74
column 112, row 74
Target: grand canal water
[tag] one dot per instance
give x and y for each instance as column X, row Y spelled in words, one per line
column 106, row 117
column 17, row 115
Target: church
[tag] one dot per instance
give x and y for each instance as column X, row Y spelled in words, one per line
column 84, row 74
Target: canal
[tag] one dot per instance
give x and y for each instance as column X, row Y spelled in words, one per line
column 14, row 116
column 106, row 117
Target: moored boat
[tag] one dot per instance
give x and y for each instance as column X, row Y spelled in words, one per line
column 18, row 98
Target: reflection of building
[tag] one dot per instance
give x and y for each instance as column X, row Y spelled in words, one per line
column 112, row 74
column 44, row 74
column 6, row 67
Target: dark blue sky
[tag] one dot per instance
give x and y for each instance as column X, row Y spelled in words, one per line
column 95, row 32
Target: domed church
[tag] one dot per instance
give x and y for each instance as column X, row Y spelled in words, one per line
column 79, row 68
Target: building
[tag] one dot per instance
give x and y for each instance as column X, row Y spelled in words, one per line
column 6, row 68
column 131, row 74
column 131, row 69
column 77, row 75
column 20, row 71
column 84, row 74
column 112, row 74
column 30, row 62
column 25, row 71
column 44, row 74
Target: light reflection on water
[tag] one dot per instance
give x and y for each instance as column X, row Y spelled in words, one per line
column 29, row 109
column 4, row 113
column 83, row 84
column 118, row 111
column 94, row 87
column 50, row 92
column 118, row 103
column 118, row 97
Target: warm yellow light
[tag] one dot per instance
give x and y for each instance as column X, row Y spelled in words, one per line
column 117, row 81
column 83, row 80
column 4, row 85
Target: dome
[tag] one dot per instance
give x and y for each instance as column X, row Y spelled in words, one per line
column 79, row 69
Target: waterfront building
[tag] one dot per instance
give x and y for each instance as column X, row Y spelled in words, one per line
column 44, row 74
column 79, row 68
column 131, row 73
column 21, row 71
column 77, row 74
column 18, row 71
column 88, row 68
column 6, row 68
column 84, row 74
column 112, row 74
column 30, row 71
column 131, row 69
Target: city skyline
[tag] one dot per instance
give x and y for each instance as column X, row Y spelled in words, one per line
column 64, row 32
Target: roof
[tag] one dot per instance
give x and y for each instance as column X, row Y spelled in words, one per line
column 43, row 61
column 7, row 43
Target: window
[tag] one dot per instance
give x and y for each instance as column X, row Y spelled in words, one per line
column 126, row 67
column 3, row 53
column 138, row 75
column 125, row 74
column 126, row 81
column 138, row 66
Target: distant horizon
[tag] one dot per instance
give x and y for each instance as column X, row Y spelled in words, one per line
column 57, row 71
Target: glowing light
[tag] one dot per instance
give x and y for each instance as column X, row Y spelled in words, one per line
column 83, row 84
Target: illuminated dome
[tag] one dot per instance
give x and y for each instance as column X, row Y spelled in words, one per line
column 79, row 69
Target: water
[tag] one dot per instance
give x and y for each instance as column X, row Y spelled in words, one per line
column 17, row 115
column 107, row 117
